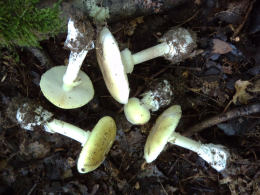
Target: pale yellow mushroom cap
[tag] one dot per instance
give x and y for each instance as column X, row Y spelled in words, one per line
column 52, row 88
column 161, row 132
column 136, row 112
column 112, row 68
column 98, row 145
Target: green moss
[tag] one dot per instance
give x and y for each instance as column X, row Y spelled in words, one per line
column 23, row 24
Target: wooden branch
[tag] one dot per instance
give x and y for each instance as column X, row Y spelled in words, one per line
column 234, row 113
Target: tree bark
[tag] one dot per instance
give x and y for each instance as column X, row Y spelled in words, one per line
column 119, row 9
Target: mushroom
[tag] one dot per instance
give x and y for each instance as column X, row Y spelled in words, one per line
column 176, row 45
column 96, row 144
column 163, row 131
column 137, row 111
column 69, row 87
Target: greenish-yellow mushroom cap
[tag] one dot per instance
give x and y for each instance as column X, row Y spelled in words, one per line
column 98, row 145
column 52, row 88
column 136, row 112
column 164, row 126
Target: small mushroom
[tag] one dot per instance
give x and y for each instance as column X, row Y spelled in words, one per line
column 177, row 45
column 96, row 144
column 164, row 131
column 137, row 111
column 69, row 87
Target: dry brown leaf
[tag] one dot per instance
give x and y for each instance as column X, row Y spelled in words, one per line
column 256, row 87
column 132, row 25
column 241, row 94
column 221, row 47
column 197, row 2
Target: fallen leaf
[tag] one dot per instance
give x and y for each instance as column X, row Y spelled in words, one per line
column 197, row 2
column 221, row 47
column 241, row 94
column 256, row 87
column 133, row 24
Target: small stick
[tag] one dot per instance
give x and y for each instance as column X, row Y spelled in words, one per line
column 234, row 113
column 237, row 31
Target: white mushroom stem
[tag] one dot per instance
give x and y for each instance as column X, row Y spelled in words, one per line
column 70, row 77
column 29, row 116
column 185, row 142
column 150, row 53
column 176, row 45
column 68, row 130
column 76, row 56
column 129, row 60
column 216, row 155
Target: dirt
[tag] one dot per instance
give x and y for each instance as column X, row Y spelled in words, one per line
column 36, row 162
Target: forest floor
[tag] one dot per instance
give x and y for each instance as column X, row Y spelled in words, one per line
column 222, row 81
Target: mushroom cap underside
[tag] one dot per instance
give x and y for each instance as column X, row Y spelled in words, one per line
column 52, row 88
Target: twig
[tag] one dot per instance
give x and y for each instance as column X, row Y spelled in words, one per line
column 237, row 112
column 32, row 188
column 190, row 18
column 239, row 28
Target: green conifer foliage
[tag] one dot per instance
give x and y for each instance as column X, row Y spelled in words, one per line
column 23, row 24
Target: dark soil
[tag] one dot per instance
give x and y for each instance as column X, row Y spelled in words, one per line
column 35, row 162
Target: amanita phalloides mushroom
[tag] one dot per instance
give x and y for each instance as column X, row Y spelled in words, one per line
column 69, row 87
column 96, row 143
column 176, row 45
column 137, row 111
column 164, row 131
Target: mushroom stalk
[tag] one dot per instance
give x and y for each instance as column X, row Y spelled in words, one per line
column 77, row 55
column 70, row 77
column 150, row 53
column 176, row 45
column 68, row 130
column 215, row 155
column 185, row 142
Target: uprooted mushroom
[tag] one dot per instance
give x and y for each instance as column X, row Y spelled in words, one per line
column 164, row 131
column 96, row 143
column 176, row 45
column 137, row 111
column 68, row 87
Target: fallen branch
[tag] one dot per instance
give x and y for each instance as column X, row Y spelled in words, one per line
column 237, row 112
column 239, row 28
